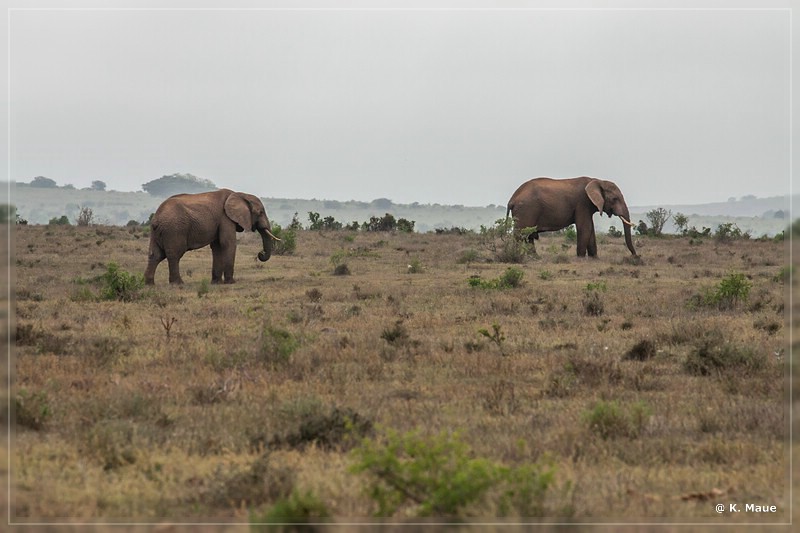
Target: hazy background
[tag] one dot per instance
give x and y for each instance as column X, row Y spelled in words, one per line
column 429, row 106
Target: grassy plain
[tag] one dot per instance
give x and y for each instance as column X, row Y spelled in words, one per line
column 193, row 403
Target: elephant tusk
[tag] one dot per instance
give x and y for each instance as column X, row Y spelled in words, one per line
column 273, row 236
column 622, row 218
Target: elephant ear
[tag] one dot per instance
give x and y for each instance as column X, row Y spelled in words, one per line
column 595, row 193
column 238, row 210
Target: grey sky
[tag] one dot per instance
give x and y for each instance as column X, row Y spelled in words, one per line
column 449, row 106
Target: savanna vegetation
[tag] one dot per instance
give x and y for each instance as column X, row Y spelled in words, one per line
column 400, row 375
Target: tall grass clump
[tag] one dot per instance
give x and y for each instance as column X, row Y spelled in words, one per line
column 610, row 420
column 276, row 345
column 713, row 355
column 439, row 476
column 32, row 409
column 592, row 300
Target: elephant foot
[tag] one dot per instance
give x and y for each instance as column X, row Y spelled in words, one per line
column 176, row 281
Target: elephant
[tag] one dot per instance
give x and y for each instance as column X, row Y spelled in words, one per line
column 191, row 221
column 548, row 204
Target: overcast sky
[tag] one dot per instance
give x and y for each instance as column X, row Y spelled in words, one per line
column 432, row 106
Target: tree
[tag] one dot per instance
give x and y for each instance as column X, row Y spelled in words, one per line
column 658, row 217
column 681, row 222
column 381, row 203
column 41, row 181
column 98, row 185
column 85, row 217
column 178, row 183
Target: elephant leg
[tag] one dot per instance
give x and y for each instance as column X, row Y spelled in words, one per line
column 156, row 256
column 592, row 248
column 532, row 239
column 230, row 258
column 216, row 262
column 174, row 270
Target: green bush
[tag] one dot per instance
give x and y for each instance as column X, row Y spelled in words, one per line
column 730, row 231
column 288, row 240
column 506, row 244
column 439, row 476
column 294, row 513
column 121, row 285
column 610, row 420
column 511, row 278
column 571, row 234
column 732, row 290
column 56, row 221
column 276, row 345
column 657, row 217
column 415, row 267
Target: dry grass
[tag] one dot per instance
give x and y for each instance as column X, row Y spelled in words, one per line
column 185, row 404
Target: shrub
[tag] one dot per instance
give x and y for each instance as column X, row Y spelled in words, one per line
column 31, row 410
column 511, row 278
column 506, row 245
column 571, row 234
column 415, row 267
column 85, row 217
column 204, row 288
column 55, row 221
column 592, row 300
column 468, row 256
column 337, row 429
column 341, row 270
column 729, row 292
column 395, row 335
column 288, row 240
column 614, row 232
column 276, row 345
column 681, row 222
column 327, row 223
column 730, row 231
column 298, row 510
column 262, row 482
column 496, row 336
column 657, row 217
column 121, row 285
column 405, row 226
column 641, row 351
column 385, row 223
column 712, row 354
column 610, row 420
column 439, row 476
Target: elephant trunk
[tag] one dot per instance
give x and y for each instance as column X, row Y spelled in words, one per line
column 626, row 226
column 266, row 239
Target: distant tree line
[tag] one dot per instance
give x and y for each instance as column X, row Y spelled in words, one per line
column 164, row 186
column 177, row 184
